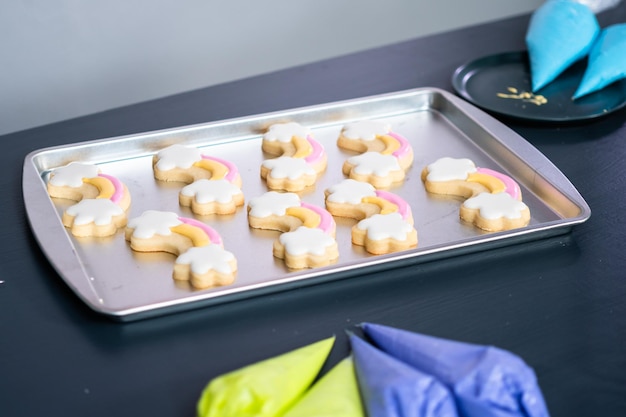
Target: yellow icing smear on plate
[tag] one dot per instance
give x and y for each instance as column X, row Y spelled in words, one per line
column 527, row 96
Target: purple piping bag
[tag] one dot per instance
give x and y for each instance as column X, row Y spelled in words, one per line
column 390, row 388
column 486, row 381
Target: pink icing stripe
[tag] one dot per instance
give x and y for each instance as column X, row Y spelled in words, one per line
column 117, row 185
column 214, row 237
column 511, row 186
column 403, row 208
column 232, row 168
column 326, row 220
column 317, row 153
column 404, row 148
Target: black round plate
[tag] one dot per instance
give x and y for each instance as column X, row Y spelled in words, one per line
column 501, row 84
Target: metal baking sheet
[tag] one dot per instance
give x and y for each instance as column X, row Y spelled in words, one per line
column 124, row 285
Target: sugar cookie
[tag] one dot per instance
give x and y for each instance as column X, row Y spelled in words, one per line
column 493, row 201
column 201, row 258
column 213, row 184
column 308, row 238
column 102, row 200
column 385, row 219
column 384, row 233
column 384, row 155
column 300, row 158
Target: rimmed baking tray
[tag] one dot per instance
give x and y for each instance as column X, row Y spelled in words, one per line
column 117, row 282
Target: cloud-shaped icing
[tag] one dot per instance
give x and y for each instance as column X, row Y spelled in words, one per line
column 374, row 163
column 288, row 167
column 273, row 203
column 153, row 222
column 283, row 132
column 385, row 226
column 208, row 191
column 305, row 240
column 177, row 156
column 365, row 129
column 98, row 211
column 206, row 258
column 495, row 206
column 350, row 191
column 72, row 174
column 450, row 169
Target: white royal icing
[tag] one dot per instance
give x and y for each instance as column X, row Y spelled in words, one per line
column 205, row 258
column 385, row 226
column 450, row 169
column 177, row 156
column 153, row 222
column 366, row 130
column 99, row 211
column 208, row 191
column 72, row 175
column 283, row 132
column 350, row 191
column 273, row 203
column 288, row 167
column 374, row 163
column 495, row 206
column 305, row 240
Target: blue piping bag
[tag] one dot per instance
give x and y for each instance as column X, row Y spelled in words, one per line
column 486, row 381
column 607, row 61
column 391, row 388
column 560, row 33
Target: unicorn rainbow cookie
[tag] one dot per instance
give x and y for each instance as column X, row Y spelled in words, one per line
column 299, row 158
column 102, row 200
column 201, row 258
column 493, row 201
column 385, row 219
column 384, row 155
column 213, row 184
column 308, row 231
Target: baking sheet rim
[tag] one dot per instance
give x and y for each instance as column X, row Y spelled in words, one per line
column 32, row 174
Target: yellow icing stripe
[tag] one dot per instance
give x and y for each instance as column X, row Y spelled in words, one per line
column 494, row 184
column 218, row 171
column 104, row 186
column 308, row 217
column 303, row 147
column 386, row 207
column 391, row 144
column 197, row 236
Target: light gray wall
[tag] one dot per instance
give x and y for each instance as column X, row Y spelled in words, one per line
column 66, row 58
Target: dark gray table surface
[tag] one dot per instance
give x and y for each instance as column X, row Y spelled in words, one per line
column 559, row 303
